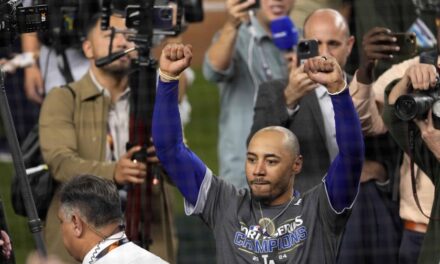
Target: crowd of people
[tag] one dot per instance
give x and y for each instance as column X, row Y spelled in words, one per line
column 315, row 166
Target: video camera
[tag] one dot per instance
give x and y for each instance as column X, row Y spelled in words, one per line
column 15, row 19
column 167, row 16
column 416, row 105
column 148, row 18
column 68, row 19
column 164, row 19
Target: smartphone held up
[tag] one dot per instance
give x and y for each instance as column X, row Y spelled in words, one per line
column 407, row 43
column 256, row 5
column 306, row 49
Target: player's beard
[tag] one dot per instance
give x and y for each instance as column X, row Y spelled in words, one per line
column 276, row 191
column 262, row 198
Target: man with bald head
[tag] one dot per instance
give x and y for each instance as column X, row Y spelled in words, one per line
column 331, row 31
column 277, row 145
column 300, row 102
column 270, row 222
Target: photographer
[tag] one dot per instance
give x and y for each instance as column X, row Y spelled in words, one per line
column 60, row 58
column 368, row 98
column 418, row 78
column 85, row 129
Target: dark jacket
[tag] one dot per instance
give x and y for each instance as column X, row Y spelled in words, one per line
column 307, row 124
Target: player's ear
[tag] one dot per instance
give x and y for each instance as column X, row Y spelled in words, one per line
column 297, row 164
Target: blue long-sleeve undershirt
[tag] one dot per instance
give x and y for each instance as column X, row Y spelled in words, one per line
column 343, row 177
column 181, row 164
column 188, row 171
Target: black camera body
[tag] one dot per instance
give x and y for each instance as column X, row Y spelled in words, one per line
column 416, row 105
column 68, row 19
column 162, row 17
column 14, row 19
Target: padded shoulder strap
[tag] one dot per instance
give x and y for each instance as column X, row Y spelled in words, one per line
column 70, row 89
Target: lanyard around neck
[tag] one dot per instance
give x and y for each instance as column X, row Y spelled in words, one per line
column 111, row 247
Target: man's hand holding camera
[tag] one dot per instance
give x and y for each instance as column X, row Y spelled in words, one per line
column 420, row 76
column 326, row 71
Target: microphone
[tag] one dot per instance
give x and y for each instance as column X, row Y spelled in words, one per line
column 112, row 57
column 284, row 33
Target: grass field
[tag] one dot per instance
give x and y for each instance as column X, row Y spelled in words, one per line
column 201, row 134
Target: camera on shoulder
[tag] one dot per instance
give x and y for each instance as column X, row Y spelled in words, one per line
column 16, row 19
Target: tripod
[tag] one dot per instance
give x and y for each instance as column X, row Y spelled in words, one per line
column 138, row 211
column 34, row 221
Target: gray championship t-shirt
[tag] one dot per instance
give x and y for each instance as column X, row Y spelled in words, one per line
column 308, row 231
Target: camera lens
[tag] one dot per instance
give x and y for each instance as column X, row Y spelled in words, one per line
column 406, row 108
column 412, row 106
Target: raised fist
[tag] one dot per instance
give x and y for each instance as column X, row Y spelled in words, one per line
column 175, row 58
column 326, row 71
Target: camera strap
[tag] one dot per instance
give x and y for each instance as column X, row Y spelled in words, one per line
column 64, row 67
column 411, row 143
